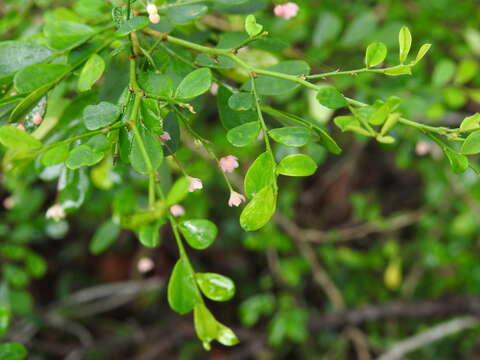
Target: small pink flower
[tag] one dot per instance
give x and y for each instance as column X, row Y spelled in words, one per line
column 154, row 18
column 177, row 210
column 286, row 11
column 195, row 184
column 165, row 137
column 152, row 9
column 422, row 148
column 214, row 89
column 21, row 127
column 145, row 264
column 235, row 199
column 55, row 212
column 37, row 119
column 9, row 202
column 228, row 163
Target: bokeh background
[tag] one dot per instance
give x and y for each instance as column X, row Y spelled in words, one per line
column 380, row 244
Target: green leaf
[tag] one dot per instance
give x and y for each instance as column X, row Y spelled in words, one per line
column 14, row 138
column 268, row 85
column 66, row 34
column 422, row 52
column 209, row 329
column 153, row 148
column 297, row 165
column 405, row 43
column 458, row 162
column 151, row 116
column 5, row 308
column 260, row 174
column 376, row 54
column 134, row 24
column 178, row 192
column 229, row 117
column 29, row 102
column 56, row 155
column 194, row 84
column 15, row 55
column 35, row 76
column 12, row 351
column 216, row 287
column 241, row 101
column 389, row 123
column 399, row 70
column 199, row 234
column 91, row 72
column 471, row 145
column 259, row 210
column 380, row 115
column 251, row 26
column 149, row 235
column 295, row 136
column 100, row 115
column 470, row 122
column 83, row 155
column 331, row 98
column 104, row 237
column 205, row 325
column 156, row 84
column 357, row 32
column 182, row 15
column 73, row 186
column 182, row 292
column 327, row 141
column 35, row 265
column 244, row 134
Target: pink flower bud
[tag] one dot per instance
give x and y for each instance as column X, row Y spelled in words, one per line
column 214, row 89
column 195, row 184
column 165, row 137
column 422, row 148
column 228, row 163
column 37, row 119
column 177, row 210
column 152, row 9
column 154, row 18
column 9, row 202
column 145, row 264
column 55, row 212
column 286, row 11
column 21, row 127
column 235, row 199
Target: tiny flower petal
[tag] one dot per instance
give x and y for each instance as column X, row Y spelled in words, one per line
column 37, row 119
column 151, row 9
column 154, row 18
column 228, row 163
column 422, row 148
column 55, row 212
column 165, row 137
column 145, row 265
column 235, row 199
column 177, row 210
column 287, row 10
column 21, row 127
column 195, row 184
column 9, row 202
column 214, row 89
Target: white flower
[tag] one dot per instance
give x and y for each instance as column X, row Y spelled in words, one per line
column 195, row 184
column 177, row 210
column 152, row 9
column 235, row 199
column 55, row 212
column 422, row 148
column 214, row 89
column 228, row 163
column 145, row 264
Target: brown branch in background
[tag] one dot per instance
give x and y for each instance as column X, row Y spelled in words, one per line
column 402, row 348
column 399, row 310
